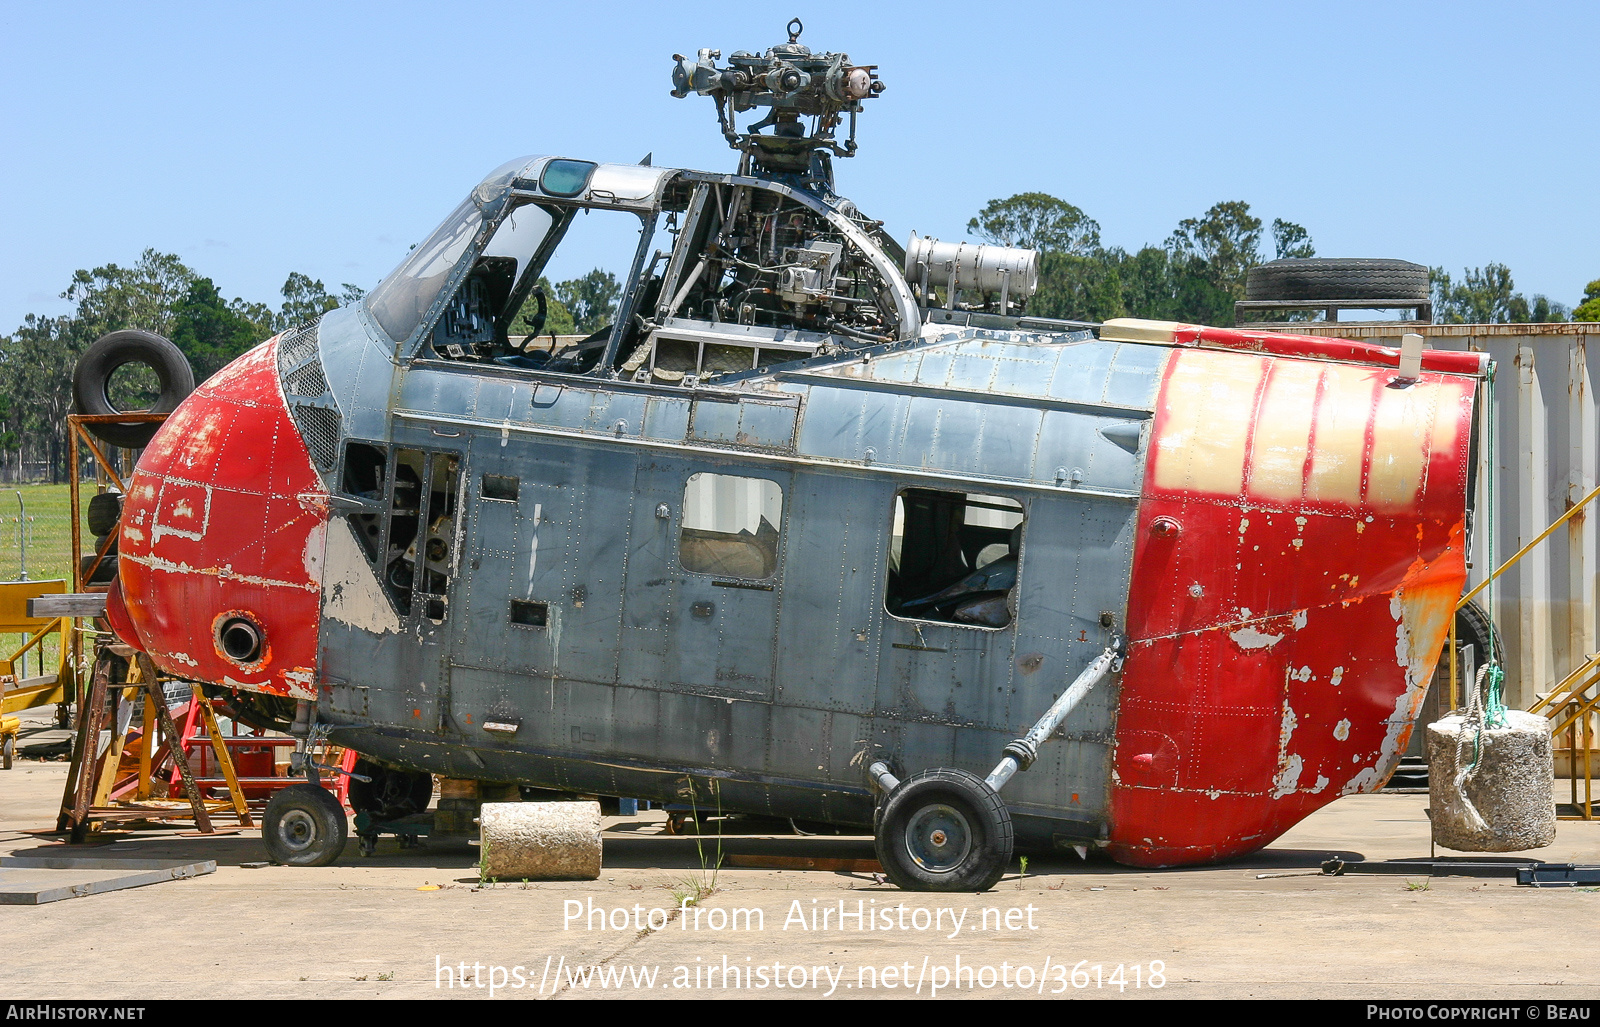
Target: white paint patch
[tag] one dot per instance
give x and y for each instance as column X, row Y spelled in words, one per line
column 312, row 555
column 352, row 594
column 1289, row 766
column 1249, row 638
column 1322, row 783
column 183, row 658
column 1288, row 778
column 1244, row 613
column 181, row 508
column 1299, row 620
column 1300, row 523
column 1341, row 730
column 1297, row 543
column 1302, row 674
column 1244, row 522
column 225, row 573
column 132, row 534
column 1338, row 676
column 1405, row 706
column 533, row 554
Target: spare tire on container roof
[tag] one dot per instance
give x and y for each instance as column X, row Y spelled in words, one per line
column 92, row 379
column 1337, row 278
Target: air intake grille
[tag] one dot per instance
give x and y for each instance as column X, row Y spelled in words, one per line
column 297, row 346
column 305, row 388
column 306, row 380
column 320, row 427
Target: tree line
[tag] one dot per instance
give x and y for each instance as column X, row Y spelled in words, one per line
column 1198, row 273
column 162, row 294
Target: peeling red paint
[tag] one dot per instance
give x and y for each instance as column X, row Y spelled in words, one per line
column 1282, row 640
column 222, row 509
column 1318, row 346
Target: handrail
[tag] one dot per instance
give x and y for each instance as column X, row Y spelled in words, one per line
column 1558, row 522
column 1566, row 701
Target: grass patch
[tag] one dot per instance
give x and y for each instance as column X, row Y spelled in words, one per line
column 46, row 539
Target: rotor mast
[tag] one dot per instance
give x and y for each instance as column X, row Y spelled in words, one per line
column 793, row 84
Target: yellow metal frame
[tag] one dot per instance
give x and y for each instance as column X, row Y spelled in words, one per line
column 44, row 689
column 1568, row 706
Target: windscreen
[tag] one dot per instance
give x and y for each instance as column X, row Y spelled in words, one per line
column 400, row 301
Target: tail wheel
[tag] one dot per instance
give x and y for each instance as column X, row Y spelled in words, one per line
column 304, row 827
column 944, row 830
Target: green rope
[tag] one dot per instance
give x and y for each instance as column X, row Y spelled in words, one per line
column 1494, row 709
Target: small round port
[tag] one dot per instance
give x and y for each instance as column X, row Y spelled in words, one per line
column 241, row 640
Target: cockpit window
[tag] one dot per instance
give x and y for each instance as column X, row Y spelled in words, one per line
column 519, row 236
column 400, row 301
column 564, row 328
column 566, row 177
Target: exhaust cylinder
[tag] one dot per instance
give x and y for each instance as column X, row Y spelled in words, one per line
column 972, row 267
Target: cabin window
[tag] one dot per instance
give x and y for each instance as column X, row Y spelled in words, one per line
column 731, row 526
column 953, row 557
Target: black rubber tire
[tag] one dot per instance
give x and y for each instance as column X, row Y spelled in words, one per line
column 1474, row 628
column 944, row 797
column 304, row 826
column 105, row 510
column 100, row 361
column 1337, row 278
column 391, row 793
column 103, row 574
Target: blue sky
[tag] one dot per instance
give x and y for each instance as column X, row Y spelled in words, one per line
column 256, row 139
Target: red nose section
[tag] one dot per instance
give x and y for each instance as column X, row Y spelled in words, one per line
column 222, row 534
column 1297, row 564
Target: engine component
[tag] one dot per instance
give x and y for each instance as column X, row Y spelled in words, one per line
column 808, row 272
column 980, row 267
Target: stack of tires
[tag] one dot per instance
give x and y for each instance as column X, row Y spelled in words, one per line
column 91, row 396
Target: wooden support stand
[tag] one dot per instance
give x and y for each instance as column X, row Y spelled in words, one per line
column 87, row 798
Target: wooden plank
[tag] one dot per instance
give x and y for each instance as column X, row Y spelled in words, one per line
column 91, row 717
column 69, row 604
column 14, row 596
column 31, row 692
column 30, row 882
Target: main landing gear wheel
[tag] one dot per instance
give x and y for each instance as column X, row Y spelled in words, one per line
column 305, row 826
column 944, row 830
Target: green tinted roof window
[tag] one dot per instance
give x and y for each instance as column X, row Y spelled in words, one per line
column 566, row 177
